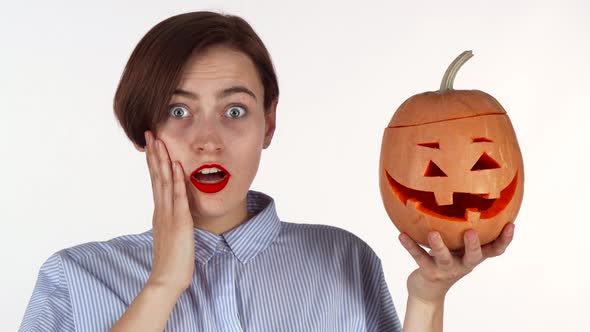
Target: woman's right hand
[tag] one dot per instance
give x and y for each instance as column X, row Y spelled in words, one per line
column 174, row 249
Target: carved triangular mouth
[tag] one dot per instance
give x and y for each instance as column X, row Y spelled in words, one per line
column 465, row 206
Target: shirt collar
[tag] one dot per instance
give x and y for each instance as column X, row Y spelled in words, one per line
column 247, row 239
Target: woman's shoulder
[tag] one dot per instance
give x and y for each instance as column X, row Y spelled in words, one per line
column 101, row 272
column 325, row 235
column 123, row 245
column 322, row 229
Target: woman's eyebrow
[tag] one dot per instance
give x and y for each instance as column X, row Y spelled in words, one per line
column 221, row 94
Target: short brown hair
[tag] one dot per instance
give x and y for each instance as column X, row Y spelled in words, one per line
column 154, row 68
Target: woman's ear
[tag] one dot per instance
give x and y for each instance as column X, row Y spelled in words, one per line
column 270, row 118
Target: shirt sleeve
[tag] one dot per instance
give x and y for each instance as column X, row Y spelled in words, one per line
column 387, row 319
column 380, row 311
column 50, row 308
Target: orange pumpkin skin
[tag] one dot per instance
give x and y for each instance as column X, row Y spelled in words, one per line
column 450, row 162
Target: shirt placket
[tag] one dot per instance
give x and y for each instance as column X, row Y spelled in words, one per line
column 226, row 308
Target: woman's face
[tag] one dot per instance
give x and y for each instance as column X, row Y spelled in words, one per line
column 216, row 116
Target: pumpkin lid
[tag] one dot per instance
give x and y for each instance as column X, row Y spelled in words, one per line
column 430, row 107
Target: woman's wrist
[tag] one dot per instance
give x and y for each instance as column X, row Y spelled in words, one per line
column 165, row 290
column 427, row 304
column 424, row 314
column 426, row 291
column 150, row 310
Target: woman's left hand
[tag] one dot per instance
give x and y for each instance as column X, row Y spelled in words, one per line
column 440, row 269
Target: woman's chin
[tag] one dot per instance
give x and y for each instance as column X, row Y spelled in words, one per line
column 209, row 207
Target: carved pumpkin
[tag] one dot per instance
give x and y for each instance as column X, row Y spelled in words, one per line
column 449, row 162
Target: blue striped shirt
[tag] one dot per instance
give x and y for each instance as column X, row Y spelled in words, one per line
column 263, row 275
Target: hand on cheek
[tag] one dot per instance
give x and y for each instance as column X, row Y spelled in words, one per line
column 173, row 253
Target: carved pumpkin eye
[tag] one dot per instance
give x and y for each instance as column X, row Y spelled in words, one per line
column 481, row 140
column 485, row 162
column 433, row 170
column 433, row 145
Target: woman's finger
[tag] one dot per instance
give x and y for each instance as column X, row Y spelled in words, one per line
column 422, row 258
column 473, row 254
column 498, row 246
column 181, row 209
column 166, row 183
column 440, row 252
column 151, row 157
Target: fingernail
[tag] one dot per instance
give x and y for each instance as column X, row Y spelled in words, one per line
column 402, row 239
column 510, row 230
column 471, row 236
column 434, row 237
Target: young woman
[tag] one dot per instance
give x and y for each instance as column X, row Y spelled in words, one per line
column 199, row 97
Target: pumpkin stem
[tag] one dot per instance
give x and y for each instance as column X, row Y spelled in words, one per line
column 447, row 81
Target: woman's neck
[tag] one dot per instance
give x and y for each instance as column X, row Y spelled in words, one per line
column 222, row 224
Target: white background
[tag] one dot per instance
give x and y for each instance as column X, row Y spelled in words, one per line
column 69, row 175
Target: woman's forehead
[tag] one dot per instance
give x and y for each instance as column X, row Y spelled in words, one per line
column 219, row 69
column 221, row 64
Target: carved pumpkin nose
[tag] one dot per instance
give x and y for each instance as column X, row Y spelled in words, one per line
column 485, row 162
column 433, row 170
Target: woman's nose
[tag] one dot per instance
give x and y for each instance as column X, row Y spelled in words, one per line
column 210, row 145
column 209, row 138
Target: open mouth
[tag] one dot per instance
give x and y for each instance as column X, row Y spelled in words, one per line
column 210, row 178
column 465, row 207
column 210, row 175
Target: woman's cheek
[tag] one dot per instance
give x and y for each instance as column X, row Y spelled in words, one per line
column 237, row 128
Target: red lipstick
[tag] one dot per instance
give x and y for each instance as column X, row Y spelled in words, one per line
column 210, row 188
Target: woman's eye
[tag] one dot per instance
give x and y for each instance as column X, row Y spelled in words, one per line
column 177, row 111
column 235, row 112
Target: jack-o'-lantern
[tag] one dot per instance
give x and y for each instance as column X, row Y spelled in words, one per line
column 450, row 162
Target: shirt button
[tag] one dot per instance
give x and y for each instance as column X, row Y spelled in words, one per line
column 220, row 246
